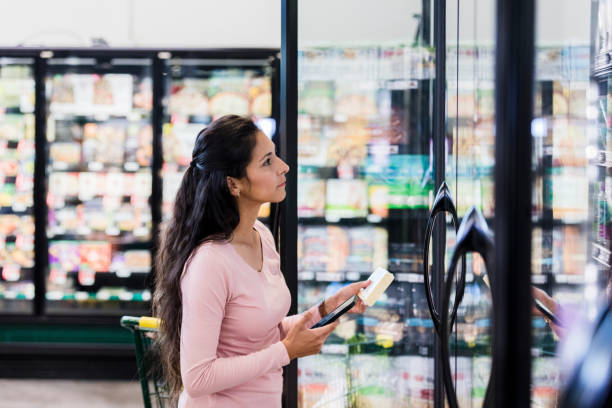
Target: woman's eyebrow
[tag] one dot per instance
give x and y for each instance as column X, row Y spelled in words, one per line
column 265, row 155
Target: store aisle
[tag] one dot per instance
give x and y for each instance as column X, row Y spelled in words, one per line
column 69, row 394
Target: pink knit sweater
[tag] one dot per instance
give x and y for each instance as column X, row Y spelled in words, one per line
column 233, row 324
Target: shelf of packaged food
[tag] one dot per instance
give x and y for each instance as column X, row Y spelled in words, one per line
column 102, row 295
column 556, row 222
column 602, row 255
column 412, row 214
column 569, row 279
column 17, row 210
column 73, row 201
column 194, row 119
column 97, row 167
column 117, row 238
column 14, row 295
column 102, row 116
column 15, row 110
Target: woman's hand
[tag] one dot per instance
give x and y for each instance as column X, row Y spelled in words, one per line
column 550, row 304
column 303, row 341
column 346, row 292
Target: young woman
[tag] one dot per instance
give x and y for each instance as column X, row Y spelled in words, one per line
column 220, row 293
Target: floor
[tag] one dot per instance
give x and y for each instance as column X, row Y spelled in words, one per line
column 69, row 394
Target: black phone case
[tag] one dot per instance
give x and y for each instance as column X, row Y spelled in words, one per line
column 546, row 312
column 335, row 314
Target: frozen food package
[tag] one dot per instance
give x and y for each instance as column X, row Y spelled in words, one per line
column 314, row 247
column 178, row 141
column 311, row 198
column 312, row 145
column 370, row 380
column 68, row 153
column 322, row 381
column 188, row 97
column 317, row 98
column 346, row 198
column 64, row 256
column 95, row 256
column 338, row 248
column 481, row 370
column 415, row 376
column 260, row 95
column 352, row 102
column 347, row 145
column 362, row 249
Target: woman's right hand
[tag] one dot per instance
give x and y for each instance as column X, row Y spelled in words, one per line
column 303, row 341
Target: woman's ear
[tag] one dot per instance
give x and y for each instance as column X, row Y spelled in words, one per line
column 234, row 186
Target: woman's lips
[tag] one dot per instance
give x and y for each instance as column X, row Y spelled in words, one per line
column 282, row 185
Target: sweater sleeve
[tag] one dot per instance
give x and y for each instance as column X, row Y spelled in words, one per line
column 290, row 321
column 205, row 291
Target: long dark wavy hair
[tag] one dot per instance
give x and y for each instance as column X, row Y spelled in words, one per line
column 204, row 210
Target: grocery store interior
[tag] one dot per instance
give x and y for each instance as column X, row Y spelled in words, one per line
column 464, row 146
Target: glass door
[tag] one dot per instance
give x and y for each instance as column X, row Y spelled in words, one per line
column 470, row 125
column 571, row 185
column 17, row 151
column 365, row 184
column 199, row 90
column 100, row 150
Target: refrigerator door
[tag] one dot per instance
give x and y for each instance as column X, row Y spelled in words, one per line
column 16, row 185
column 99, row 139
column 570, row 259
column 470, row 119
column 365, row 185
column 199, row 91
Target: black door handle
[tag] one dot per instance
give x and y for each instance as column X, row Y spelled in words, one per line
column 443, row 203
column 473, row 236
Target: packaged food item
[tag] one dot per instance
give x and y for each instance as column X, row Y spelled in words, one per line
column 362, row 249
column 481, row 371
column 311, row 198
column 347, row 145
column 415, row 376
column 95, row 256
column 64, row 256
column 188, row 97
column 337, row 249
column 346, row 199
column 260, row 95
column 143, row 94
column 138, row 260
column 378, row 197
column 314, row 247
column 322, row 381
column 225, row 103
column 317, row 98
column 370, row 380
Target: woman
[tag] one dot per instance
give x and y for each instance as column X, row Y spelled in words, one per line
column 219, row 290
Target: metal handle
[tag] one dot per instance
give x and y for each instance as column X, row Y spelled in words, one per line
column 442, row 203
column 473, row 236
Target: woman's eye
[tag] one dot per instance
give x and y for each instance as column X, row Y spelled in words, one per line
column 267, row 162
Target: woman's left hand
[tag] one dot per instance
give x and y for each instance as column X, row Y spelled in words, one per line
column 346, row 292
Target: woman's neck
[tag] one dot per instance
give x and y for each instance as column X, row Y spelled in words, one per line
column 243, row 233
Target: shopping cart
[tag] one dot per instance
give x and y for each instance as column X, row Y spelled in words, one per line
column 149, row 372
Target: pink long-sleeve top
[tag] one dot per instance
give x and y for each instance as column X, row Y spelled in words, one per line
column 234, row 319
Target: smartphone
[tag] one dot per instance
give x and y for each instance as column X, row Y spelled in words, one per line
column 546, row 312
column 337, row 312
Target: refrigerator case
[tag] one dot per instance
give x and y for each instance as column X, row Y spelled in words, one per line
column 198, row 92
column 17, row 150
column 99, row 139
column 364, row 187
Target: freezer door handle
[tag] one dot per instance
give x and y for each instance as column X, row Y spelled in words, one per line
column 473, row 236
column 443, row 203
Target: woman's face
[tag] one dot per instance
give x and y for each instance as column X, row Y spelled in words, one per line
column 265, row 173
